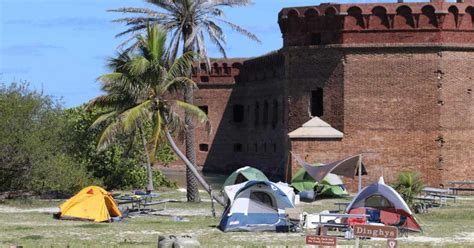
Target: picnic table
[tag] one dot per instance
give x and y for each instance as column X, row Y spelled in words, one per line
column 440, row 193
column 139, row 202
column 461, row 186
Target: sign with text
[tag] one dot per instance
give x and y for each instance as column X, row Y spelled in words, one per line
column 321, row 240
column 388, row 232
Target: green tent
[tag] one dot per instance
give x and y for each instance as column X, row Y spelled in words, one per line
column 244, row 174
column 331, row 185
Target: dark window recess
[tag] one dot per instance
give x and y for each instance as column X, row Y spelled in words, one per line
column 265, row 113
column 275, row 113
column 203, row 67
column 257, row 114
column 237, row 147
column 317, row 102
column 204, row 79
column 265, row 147
column 238, row 113
column 274, row 148
column 204, row 109
column 203, row 147
column 256, row 147
column 315, row 39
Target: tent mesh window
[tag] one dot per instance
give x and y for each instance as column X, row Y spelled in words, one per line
column 377, row 201
column 264, row 200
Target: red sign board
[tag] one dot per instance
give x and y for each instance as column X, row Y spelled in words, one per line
column 375, row 231
column 321, row 240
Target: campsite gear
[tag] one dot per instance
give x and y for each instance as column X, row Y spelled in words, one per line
column 244, row 174
column 307, row 195
column 348, row 167
column 331, row 185
column 257, row 206
column 172, row 241
column 91, row 203
column 383, row 205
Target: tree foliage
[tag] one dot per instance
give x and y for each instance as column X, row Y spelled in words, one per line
column 120, row 165
column 33, row 152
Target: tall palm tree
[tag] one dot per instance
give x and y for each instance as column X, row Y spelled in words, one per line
column 187, row 21
column 138, row 90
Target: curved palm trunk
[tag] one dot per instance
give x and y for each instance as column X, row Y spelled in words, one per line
column 191, row 182
column 193, row 170
column 149, row 172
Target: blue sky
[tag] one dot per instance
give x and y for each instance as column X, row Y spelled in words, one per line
column 61, row 46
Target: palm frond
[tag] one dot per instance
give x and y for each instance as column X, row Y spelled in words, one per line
column 134, row 10
column 193, row 110
column 108, row 136
column 135, row 115
column 241, row 30
column 102, row 118
column 181, row 66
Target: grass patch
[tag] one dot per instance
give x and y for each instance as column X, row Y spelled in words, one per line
column 443, row 227
column 92, row 226
column 33, row 237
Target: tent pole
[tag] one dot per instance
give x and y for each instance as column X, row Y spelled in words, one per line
column 359, row 164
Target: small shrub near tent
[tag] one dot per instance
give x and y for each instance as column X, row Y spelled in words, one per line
column 409, row 185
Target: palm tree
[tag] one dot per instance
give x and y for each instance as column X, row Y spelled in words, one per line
column 187, row 21
column 137, row 92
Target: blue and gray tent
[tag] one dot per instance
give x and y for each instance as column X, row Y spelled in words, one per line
column 256, row 206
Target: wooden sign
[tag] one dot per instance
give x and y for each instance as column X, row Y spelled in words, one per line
column 392, row 243
column 388, row 232
column 321, row 240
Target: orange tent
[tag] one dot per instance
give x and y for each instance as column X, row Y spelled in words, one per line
column 91, row 203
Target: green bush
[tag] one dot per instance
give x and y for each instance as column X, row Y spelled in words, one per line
column 121, row 165
column 409, row 185
column 62, row 175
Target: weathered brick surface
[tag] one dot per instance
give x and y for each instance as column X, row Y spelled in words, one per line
column 402, row 95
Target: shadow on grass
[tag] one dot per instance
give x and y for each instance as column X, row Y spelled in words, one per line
column 33, row 237
column 19, row 228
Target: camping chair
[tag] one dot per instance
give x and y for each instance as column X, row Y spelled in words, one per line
column 294, row 219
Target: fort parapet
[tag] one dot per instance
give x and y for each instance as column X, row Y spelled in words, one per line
column 421, row 22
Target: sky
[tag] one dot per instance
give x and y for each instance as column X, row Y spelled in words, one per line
column 60, row 47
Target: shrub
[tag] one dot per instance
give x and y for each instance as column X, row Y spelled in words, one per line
column 409, row 185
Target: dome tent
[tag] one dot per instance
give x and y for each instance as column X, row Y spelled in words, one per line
column 244, row 174
column 257, row 206
column 331, row 185
column 91, row 203
column 384, row 205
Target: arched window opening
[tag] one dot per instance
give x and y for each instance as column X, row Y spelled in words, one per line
column 404, row 18
column 469, row 17
column 379, row 18
column 293, row 21
column 312, row 20
column 226, row 68
column 452, row 19
column 354, row 19
column 428, row 17
column 216, row 69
